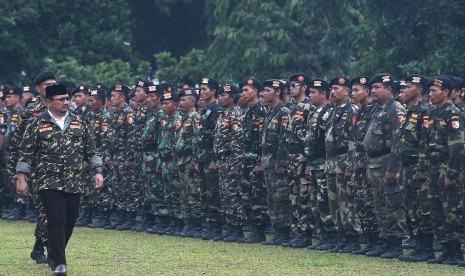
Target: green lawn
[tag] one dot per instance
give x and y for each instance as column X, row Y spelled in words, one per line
column 100, row 252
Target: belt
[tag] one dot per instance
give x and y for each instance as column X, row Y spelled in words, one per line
column 409, row 160
column 379, row 153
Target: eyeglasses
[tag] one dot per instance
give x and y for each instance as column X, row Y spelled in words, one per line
column 67, row 99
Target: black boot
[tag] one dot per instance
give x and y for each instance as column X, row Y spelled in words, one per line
column 257, row 235
column 37, row 253
column 103, row 220
column 303, row 239
column 445, row 255
column 18, row 212
column 328, row 241
column 222, row 236
column 81, row 221
column 194, row 229
column 177, row 227
column 129, row 222
column 437, row 246
column 237, row 234
column 162, row 222
column 281, row 236
column 381, row 247
column 456, row 255
column 120, row 219
column 423, row 251
column 353, row 244
column 368, row 245
column 340, row 245
column 148, row 223
column 410, row 243
column 394, row 249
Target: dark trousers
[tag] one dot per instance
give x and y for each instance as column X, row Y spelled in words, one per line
column 62, row 210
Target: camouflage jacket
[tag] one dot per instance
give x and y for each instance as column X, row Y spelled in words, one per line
column 229, row 137
column 99, row 124
column 296, row 127
column 57, row 155
column 412, row 134
column 169, row 126
column 382, row 138
column 461, row 106
column 359, row 158
column 208, row 117
column 252, row 123
column 273, row 135
column 187, row 137
column 445, row 139
column 339, row 129
column 314, row 148
column 123, row 129
column 140, row 118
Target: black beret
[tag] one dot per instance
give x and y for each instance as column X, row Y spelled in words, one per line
column 54, row 90
column 300, row 78
column 172, row 96
column 120, row 88
column 285, row 84
column 211, row 82
column 13, row 91
column 144, row 85
column 418, row 80
column 385, row 78
column 341, row 81
column 155, row 89
column 319, row 84
column 273, row 83
column 99, row 92
column 27, row 89
column 229, row 89
column 68, row 84
column 402, row 84
column 80, row 88
column 362, row 81
column 46, row 75
column 253, row 82
column 166, row 87
column 188, row 92
column 443, row 82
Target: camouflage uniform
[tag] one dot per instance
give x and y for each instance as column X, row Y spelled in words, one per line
column 295, row 133
column 228, row 147
column 7, row 193
column 315, row 153
column 358, row 165
column 253, row 185
column 340, row 191
column 442, row 159
column 382, row 145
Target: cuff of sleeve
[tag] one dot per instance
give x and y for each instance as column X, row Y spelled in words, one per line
column 23, row 167
column 96, row 161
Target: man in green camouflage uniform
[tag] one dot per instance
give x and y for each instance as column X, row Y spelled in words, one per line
column 274, row 162
column 253, row 180
column 207, row 171
column 122, row 156
column 295, row 132
column 99, row 123
column 341, row 192
column 228, row 146
column 7, row 192
column 357, row 167
column 169, row 168
column 382, row 145
column 184, row 150
column 441, row 165
column 315, row 153
column 35, row 109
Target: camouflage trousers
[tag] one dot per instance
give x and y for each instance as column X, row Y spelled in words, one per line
column 122, row 181
column 446, row 205
column 154, row 191
column 210, row 193
column 277, row 197
column 40, row 232
column 299, row 193
column 341, row 197
column 417, row 201
column 364, row 202
column 319, row 205
column 7, row 192
column 102, row 198
column 253, row 192
column 136, row 182
column 389, row 202
column 230, row 193
column 172, row 189
column 191, row 204
column 87, row 201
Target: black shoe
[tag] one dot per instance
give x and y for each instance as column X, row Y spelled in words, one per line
column 129, row 222
column 339, row 246
column 302, row 240
column 37, row 253
column 326, row 243
column 394, row 249
column 456, row 255
column 461, row 263
column 446, row 254
column 257, row 236
column 422, row 252
column 236, row 234
column 381, row 247
column 437, row 246
column 351, row 246
column 410, row 243
column 281, row 236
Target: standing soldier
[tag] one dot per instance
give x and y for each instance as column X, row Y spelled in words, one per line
column 443, row 146
column 357, row 167
column 99, row 122
column 412, row 139
column 382, row 145
column 7, row 193
column 315, row 153
column 169, row 169
column 456, row 94
column 122, row 159
column 208, row 173
column 228, row 146
column 340, row 187
column 185, row 148
column 274, row 162
column 35, row 109
column 295, row 133
column 253, row 180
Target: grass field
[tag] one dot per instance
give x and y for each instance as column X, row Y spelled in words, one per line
column 100, row 252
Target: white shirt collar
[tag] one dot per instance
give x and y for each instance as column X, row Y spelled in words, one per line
column 61, row 122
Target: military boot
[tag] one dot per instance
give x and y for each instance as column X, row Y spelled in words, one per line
column 281, row 236
column 86, row 218
column 370, row 237
column 148, row 223
column 194, row 229
column 461, row 263
column 456, row 255
column 120, row 219
column 394, row 249
column 410, row 243
column 214, row 229
column 328, row 241
column 437, row 246
column 129, row 222
column 236, row 234
column 103, row 220
column 257, row 235
column 445, row 255
column 177, row 228
column 18, row 212
column 302, row 240
column 353, row 244
column 380, row 247
column 37, row 253
column 340, row 245
column 162, row 222
column 423, row 250
column 227, row 233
